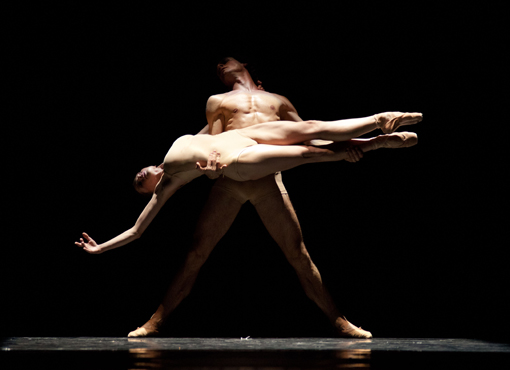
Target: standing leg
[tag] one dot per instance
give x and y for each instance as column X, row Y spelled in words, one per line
column 215, row 219
column 280, row 219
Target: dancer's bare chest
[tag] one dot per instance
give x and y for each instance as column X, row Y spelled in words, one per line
column 247, row 109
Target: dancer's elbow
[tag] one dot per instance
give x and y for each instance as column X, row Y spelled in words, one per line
column 136, row 234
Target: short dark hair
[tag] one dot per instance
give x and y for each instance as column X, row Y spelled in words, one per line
column 138, row 185
column 251, row 65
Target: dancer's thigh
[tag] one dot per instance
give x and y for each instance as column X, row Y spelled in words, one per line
column 261, row 160
column 282, row 132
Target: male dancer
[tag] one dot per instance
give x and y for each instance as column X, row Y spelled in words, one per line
column 246, row 105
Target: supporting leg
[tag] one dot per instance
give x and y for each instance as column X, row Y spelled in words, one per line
column 281, row 221
column 215, row 219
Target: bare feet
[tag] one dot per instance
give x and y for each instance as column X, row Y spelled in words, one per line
column 396, row 140
column 388, row 122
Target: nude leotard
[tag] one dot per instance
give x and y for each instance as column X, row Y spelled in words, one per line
column 187, row 150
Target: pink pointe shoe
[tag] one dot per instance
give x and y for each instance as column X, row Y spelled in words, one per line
column 388, row 122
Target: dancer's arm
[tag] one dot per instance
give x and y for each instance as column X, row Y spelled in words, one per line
column 164, row 190
column 214, row 115
column 289, row 113
column 287, row 110
column 204, row 131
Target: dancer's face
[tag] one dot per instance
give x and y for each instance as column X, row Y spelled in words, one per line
column 227, row 68
column 147, row 179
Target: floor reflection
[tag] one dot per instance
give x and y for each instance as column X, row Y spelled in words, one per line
column 254, row 354
column 144, row 358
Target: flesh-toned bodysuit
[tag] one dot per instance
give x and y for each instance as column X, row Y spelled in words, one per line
column 187, row 150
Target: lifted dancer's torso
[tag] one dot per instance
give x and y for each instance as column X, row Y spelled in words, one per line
column 234, row 110
column 187, row 150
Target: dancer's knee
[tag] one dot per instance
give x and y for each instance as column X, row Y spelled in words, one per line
column 196, row 258
column 312, row 126
column 302, row 263
column 299, row 258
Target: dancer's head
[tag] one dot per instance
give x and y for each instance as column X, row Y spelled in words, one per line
column 146, row 180
column 228, row 69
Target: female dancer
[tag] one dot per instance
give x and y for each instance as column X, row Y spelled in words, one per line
column 252, row 153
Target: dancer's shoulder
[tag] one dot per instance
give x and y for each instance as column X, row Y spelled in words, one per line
column 214, row 102
column 283, row 98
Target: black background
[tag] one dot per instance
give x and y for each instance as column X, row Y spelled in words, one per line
column 409, row 242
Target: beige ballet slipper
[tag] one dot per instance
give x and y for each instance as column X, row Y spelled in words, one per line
column 388, row 122
column 397, row 140
column 141, row 332
column 355, row 333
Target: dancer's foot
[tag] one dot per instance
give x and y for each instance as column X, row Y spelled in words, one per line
column 355, row 333
column 144, row 331
column 346, row 330
column 388, row 122
column 396, row 140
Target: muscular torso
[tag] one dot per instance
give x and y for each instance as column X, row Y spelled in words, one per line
column 239, row 109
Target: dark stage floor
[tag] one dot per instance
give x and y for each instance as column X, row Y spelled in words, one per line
column 251, row 353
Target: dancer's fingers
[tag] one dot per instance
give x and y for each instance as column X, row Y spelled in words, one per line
column 211, row 159
column 356, row 154
column 213, row 167
column 353, row 155
column 89, row 239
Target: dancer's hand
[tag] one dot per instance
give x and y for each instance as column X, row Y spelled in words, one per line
column 259, row 86
column 89, row 246
column 213, row 168
column 354, row 154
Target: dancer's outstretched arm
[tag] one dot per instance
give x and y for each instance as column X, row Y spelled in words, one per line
column 164, row 190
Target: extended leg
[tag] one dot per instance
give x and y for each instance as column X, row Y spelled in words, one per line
column 215, row 219
column 281, row 221
column 261, row 160
column 287, row 133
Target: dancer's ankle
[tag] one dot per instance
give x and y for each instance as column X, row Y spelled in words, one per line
column 341, row 323
column 377, row 120
column 376, row 142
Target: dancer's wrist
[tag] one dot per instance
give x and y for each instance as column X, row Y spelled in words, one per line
column 101, row 248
